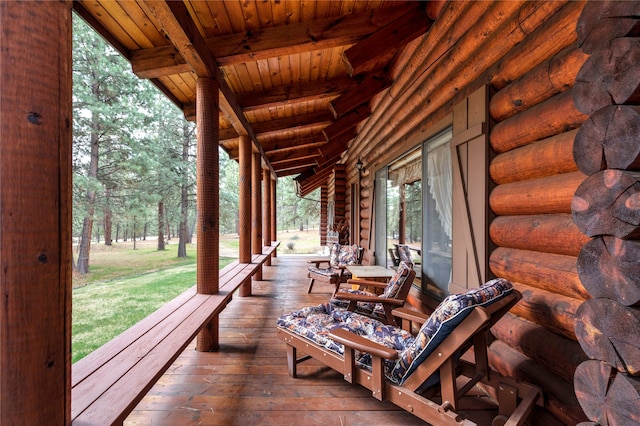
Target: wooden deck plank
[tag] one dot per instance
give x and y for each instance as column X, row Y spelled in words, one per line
column 246, row 382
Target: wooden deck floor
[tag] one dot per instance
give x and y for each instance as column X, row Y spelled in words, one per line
column 246, row 382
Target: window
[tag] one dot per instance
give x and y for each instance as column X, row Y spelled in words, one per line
column 438, row 215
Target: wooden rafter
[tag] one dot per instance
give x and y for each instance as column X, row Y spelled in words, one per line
column 369, row 86
column 377, row 49
column 174, row 18
column 268, row 42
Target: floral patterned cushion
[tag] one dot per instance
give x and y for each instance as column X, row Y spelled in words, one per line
column 404, row 253
column 327, row 272
column 316, row 322
column 395, row 283
column 348, row 255
column 449, row 313
column 333, row 255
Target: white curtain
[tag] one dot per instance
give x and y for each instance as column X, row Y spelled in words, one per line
column 440, row 181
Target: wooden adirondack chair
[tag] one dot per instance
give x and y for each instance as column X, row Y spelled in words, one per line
column 394, row 294
column 333, row 270
column 420, row 373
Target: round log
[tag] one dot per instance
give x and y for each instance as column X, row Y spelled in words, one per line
column 610, row 332
column 609, row 139
column 551, row 77
column 551, row 272
column 500, row 35
column 553, row 352
column 560, row 400
column 556, row 115
column 609, row 267
column 556, row 234
column 556, row 33
column 549, row 310
column 552, row 194
column 610, row 76
column 601, row 21
column 607, row 396
column 547, row 157
column 608, row 203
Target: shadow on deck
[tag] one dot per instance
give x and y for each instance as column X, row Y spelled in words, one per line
column 246, row 382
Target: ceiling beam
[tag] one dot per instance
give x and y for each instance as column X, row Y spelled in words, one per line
column 293, row 155
column 296, row 122
column 295, row 93
column 269, row 42
column 376, row 50
column 174, row 18
column 369, row 86
column 347, row 122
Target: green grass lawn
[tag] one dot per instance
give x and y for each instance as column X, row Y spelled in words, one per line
column 125, row 285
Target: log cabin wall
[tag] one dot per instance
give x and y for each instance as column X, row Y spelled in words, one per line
column 527, row 53
column 605, row 208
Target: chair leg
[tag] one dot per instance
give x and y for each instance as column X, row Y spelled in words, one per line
column 310, row 285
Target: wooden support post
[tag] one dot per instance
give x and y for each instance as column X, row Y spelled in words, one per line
column 207, row 181
column 256, row 211
column 274, row 217
column 266, row 211
column 35, row 212
column 244, row 208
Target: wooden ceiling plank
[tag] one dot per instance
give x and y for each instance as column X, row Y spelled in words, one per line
column 298, row 154
column 382, row 45
column 369, row 86
column 175, row 19
column 347, row 122
column 278, row 41
column 296, row 93
column 298, row 121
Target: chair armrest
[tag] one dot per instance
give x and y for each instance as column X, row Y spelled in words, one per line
column 317, row 262
column 410, row 315
column 367, row 283
column 362, row 344
column 367, row 298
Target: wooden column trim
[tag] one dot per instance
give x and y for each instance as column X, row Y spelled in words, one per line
column 256, row 210
column 274, row 210
column 244, row 207
column 266, row 212
column 35, row 212
column 208, row 204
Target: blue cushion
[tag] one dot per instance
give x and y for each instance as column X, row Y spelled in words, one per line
column 451, row 311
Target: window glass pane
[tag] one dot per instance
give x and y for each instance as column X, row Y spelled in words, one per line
column 380, row 205
column 437, row 218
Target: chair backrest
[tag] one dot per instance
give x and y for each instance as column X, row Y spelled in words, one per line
column 396, row 286
column 344, row 255
column 404, row 253
column 449, row 313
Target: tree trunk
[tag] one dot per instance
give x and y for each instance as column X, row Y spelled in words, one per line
column 610, row 332
column 608, row 267
column 84, row 247
column 607, row 396
column 609, row 140
column 108, row 221
column 608, row 203
column 161, row 225
column 184, row 198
